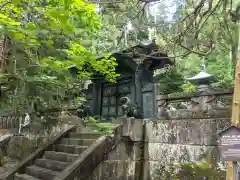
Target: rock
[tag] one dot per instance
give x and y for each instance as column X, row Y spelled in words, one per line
column 20, row 146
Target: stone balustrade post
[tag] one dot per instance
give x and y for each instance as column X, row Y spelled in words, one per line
column 132, row 128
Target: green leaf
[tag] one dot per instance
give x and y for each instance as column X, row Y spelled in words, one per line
column 16, row 2
column 67, row 3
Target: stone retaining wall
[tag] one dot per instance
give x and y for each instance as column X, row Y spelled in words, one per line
column 173, row 142
column 124, row 163
column 146, row 150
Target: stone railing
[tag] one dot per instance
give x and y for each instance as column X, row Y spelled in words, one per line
column 9, row 175
column 195, row 105
column 91, row 158
column 10, row 122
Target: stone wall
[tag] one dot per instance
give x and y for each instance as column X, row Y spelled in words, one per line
column 32, row 137
column 148, row 149
column 125, row 162
column 174, row 142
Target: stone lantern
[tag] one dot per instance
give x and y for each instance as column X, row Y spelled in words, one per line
column 203, row 103
column 203, row 80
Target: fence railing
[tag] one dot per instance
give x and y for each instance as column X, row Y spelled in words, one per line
column 10, row 122
column 189, row 105
column 13, row 121
column 195, row 105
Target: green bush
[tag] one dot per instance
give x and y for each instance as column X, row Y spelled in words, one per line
column 171, row 81
column 202, row 171
column 102, row 128
column 199, row 172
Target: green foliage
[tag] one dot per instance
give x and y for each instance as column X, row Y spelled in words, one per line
column 198, row 172
column 204, row 30
column 171, row 82
column 46, row 39
column 189, row 172
column 199, row 29
column 188, row 87
column 102, row 128
column 218, row 63
column 114, row 18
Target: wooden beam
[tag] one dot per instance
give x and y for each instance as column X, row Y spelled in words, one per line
column 235, row 113
column 236, row 95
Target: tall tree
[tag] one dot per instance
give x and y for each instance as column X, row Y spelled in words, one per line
column 196, row 30
column 41, row 39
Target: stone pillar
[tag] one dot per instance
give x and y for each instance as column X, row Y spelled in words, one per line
column 132, row 128
column 94, row 98
column 125, row 161
column 138, row 85
column 132, row 139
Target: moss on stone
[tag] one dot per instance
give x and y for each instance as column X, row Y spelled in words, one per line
column 189, row 172
column 199, row 172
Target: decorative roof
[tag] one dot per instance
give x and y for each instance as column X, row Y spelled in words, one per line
column 201, row 75
column 202, row 78
column 129, row 59
column 145, row 51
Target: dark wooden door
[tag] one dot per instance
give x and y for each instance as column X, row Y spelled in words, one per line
column 111, row 94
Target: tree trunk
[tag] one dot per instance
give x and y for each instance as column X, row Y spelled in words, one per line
column 3, row 54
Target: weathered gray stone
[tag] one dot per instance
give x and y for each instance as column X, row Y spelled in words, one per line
column 117, row 170
column 167, row 143
column 126, row 151
column 132, row 128
column 51, row 164
column 195, row 132
column 60, row 156
column 41, row 173
column 175, row 153
column 20, row 146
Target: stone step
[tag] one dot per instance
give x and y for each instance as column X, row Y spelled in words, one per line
column 84, row 129
column 79, row 142
column 60, row 156
column 24, row 177
column 41, row 173
column 84, row 135
column 51, row 164
column 70, row 148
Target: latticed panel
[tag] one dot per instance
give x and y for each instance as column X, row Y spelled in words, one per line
column 124, row 89
column 120, row 112
column 112, row 100
column 148, row 104
column 105, row 101
column 109, row 91
column 112, row 111
column 104, row 111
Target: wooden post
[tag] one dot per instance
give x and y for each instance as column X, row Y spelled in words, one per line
column 235, row 113
column 235, row 170
column 236, row 95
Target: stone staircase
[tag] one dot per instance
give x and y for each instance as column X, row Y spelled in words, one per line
column 61, row 154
